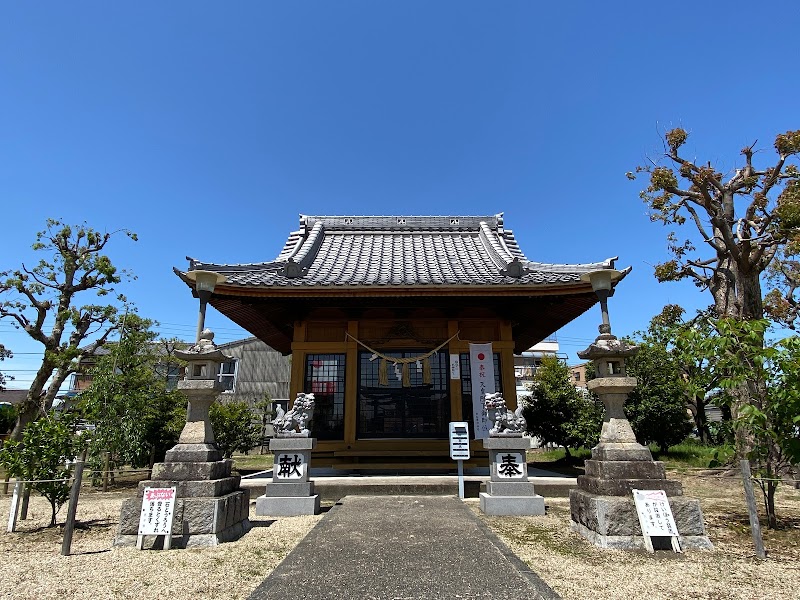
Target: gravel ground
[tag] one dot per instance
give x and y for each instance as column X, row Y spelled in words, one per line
column 577, row 570
column 34, row 568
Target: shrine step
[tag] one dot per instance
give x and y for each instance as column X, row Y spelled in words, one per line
column 332, row 486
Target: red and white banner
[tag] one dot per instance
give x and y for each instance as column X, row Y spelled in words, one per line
column 481, row 364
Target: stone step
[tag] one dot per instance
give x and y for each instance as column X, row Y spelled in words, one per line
column 624, row 487
column 335, row 487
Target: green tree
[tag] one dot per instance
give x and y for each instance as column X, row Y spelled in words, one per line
column 657, row 407
column 742, row 221
column 41, row 457
column 772, row 412
column 75, row 266
column 235, row 427
column 693, row 374
column 136, row 417
column 4, row 354
column 557, row 412
column 8, row 416
column 782, row 303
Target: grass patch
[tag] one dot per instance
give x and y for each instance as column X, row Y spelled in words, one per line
column 690, row 454
column 252, row 463
column 556, row 460
column 693, row 454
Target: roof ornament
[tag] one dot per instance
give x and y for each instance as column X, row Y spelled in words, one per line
column 292, row 270
column 514, row 269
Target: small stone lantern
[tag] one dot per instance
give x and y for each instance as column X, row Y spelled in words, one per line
column 612, row 385
column 201, row 386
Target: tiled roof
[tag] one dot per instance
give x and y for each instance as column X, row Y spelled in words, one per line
column 400, row 251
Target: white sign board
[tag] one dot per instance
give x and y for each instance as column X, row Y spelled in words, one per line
column 158, row 506
column 481, row 364
column 459, row 440
column 289, row 466
column 508, row 465
column 655, row 514
column 455, row 366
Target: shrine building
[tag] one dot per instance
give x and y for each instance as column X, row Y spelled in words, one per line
column 378, row 314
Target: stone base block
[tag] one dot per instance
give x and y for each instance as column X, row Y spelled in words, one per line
column 196, row 489
column 194, row 516
column 510, row 442
column 292, row 443
column 625, row 469
column 509, row 488
column 633, row 542
column 191, row 471
column 287, row 506
column 612, row 521
column 623, row 487
column 621, row 451
column 193, row 453
column 199, row 540
column 511, row 505
column 286, row 489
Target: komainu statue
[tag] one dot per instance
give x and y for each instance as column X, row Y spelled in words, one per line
column 505, row 422
column 294, row 423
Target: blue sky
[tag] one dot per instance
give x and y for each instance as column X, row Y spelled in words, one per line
column 207, row 128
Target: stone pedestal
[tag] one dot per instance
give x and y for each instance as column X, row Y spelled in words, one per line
column 509, row 492
column 210, row 508
column 291, row 492
column 603, row 510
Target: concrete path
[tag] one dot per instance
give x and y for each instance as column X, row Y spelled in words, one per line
column 401, row 547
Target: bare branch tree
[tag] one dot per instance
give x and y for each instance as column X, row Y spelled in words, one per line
column 748, row 222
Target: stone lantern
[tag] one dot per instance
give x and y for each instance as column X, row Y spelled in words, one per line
column 602, row 507
column 210, row 507
column 201, row 386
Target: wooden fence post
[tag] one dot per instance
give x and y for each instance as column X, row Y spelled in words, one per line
column 106, row 465
column 69, row 526
column 12, row 513
column 26, row 497
column 755, row 526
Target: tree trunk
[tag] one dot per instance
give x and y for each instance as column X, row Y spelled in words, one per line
column 38, row 401
column 769, row 502
column 30, row 408
column 737, row 295
column 53, row 517
column 701, row 421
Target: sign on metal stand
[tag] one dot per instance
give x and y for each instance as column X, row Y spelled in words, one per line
column 655, row 517
column 158, row 508
column 459, row 449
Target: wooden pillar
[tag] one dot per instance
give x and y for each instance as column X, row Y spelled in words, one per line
column 509, row 381
column 298, row 362
column 351, row 385
column 507, row 377
column 456, row 404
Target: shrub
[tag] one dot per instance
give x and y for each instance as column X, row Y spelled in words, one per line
column 235, row 428
column 41, row 456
